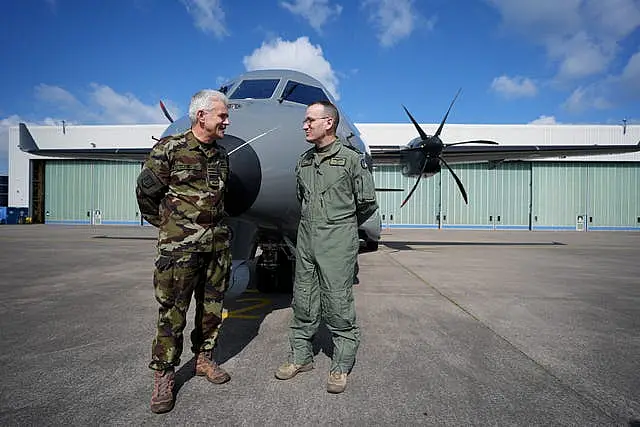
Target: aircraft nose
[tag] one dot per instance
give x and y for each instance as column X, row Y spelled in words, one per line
column 246, row 175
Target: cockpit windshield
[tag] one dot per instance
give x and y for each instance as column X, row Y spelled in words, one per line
column 302, row 93
column 255, row 89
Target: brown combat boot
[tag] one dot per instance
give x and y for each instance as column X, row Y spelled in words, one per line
column 162, row 398
column 206, row 367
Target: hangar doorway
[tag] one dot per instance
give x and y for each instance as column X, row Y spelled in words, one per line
column 37, row 191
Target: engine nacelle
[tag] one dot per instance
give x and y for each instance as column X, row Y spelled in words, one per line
column 412, row 161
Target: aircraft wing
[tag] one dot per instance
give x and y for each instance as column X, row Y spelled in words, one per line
column 497, row 153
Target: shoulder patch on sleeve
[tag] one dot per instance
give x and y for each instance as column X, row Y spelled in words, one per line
column 363, row 163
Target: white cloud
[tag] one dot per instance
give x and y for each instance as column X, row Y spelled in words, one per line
column 581, row 36
column 514, row 87
column 316, row 12
column 544, row 120
column 630, row 77
column 122, row 108
column 56, row 95
column 208, row 16
column 587, row 97
column 299, row 55
column 614, row 90
column 394, row 19
column 102, row 105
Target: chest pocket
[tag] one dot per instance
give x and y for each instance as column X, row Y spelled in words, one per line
column 337, row 193
column 186, row 172
column 217, row 174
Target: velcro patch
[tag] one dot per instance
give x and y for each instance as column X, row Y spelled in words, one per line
column 186, row 166
column 306, row 162
column 338, row 161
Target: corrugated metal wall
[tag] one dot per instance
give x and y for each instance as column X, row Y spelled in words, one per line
column 91, row 192
column 518, row 195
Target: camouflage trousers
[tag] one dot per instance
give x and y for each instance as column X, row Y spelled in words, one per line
column 178, row 276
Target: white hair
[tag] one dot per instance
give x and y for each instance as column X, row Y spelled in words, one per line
column 204, row 100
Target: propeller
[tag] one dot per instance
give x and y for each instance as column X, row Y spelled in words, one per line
column 433, row 147
column 166, row 113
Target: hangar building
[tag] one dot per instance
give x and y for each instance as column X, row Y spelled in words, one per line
column 581, row 193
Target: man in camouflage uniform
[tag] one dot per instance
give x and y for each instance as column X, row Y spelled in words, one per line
column 181, row 191
column 337, row 194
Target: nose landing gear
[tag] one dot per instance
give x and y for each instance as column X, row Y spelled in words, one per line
column 275, row 268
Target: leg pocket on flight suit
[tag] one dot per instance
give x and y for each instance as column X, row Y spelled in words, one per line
column 301, row 303
column 339, row 306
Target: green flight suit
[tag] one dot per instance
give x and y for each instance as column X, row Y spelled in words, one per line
column 336, row 192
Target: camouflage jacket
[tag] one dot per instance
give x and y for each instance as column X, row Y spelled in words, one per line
column 335, row 185
column 181, row 191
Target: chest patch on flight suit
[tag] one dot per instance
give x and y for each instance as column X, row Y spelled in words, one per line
column 306, row 162
column 338, row 161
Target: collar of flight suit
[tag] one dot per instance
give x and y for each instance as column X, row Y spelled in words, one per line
column 327, row 152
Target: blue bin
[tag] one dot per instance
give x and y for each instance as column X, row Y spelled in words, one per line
column 3, row 214
column 17, row 215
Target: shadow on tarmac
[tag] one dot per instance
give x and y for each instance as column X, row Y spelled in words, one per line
column 406, row 246
column 244, row 316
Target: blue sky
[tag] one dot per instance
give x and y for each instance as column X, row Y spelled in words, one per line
column 517, row 61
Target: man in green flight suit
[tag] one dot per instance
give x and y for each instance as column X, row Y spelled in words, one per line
column 336, row 192
column 181, row 191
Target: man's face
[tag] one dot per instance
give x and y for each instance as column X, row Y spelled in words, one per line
column 216, row 120
column 316, row 123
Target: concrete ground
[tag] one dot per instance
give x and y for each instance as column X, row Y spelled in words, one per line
column 458, row 328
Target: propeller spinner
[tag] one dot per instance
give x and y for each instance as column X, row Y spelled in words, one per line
column 432, row 147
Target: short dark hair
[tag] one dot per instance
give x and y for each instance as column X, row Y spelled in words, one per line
column 329, row 109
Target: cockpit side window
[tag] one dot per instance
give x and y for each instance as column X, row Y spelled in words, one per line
column 302, row 93
column 226, row 87
column 255, row 89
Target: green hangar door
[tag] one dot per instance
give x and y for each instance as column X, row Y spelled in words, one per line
column 91, row 192
column 421, row 211
column 498, row 197
column 613, row 196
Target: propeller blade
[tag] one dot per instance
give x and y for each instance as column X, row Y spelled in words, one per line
column 166, row 113
column 389, row 189
column 447, row 115
column 460, row 186
column 479, row 141
column 404, row 202
column 422, row 134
